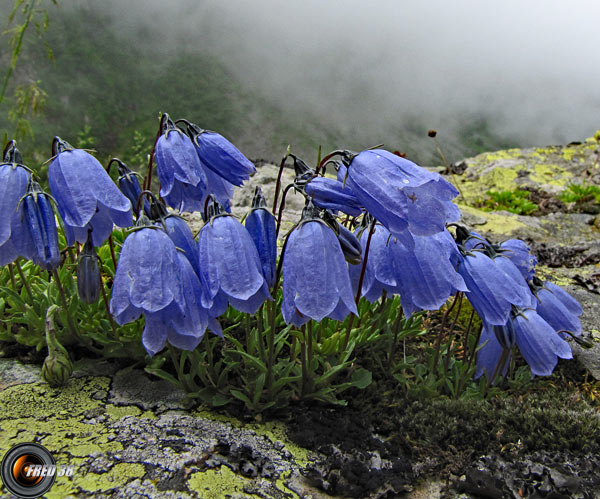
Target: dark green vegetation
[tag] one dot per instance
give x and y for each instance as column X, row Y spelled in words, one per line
column 515, row 201
column 111, row 86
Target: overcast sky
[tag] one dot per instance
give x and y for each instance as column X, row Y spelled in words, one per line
column 533, row 67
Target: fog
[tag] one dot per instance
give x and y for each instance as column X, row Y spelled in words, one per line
column 389, row 70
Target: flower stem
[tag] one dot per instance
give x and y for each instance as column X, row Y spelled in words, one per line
column 438, row 341
column 11, row 272
column 360, row 283
column 63, row 298
column 278, row 183
column 396, row 328
column 112, row 252
column 303, row 362
column 110, row 318
column 24, row 280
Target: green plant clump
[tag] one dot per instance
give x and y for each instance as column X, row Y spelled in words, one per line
column 515, row 201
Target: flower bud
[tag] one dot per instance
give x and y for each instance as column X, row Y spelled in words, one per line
column 88, row 273
column 57, row 366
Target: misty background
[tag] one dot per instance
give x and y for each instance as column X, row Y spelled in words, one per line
column 341, row 73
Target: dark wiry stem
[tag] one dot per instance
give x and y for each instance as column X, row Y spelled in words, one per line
column 278, row 183
column 24, row 281
column 360, row 283
column 112, row 252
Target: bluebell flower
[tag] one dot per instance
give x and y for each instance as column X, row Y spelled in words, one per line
column 331, row 194
column 261, row 226
column 182, row 328
column 537, row 341
column 183, row 182
column 380, row 273
column 148, row 275
column 425, row 274
column 85, row 195
column 14, row 179
column 351, row 246
column 129, row 185
column 230, row 266
column 520, row 254
column 88, row 273
column 316, row 283
column 220, row 155
column 38, row 240
column 557, row 307
column 400, row 194
column 491, row 291
column 181, row 235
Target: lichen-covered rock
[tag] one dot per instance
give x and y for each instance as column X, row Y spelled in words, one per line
column 549, row 169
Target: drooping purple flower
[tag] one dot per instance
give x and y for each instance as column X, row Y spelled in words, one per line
column 14, row 179
column 491, row 291
column 400, row 194
column 182, row 328
column 316, row 283
column 230, row 266
column 380, row 273
column 350, row 245
column 537, row 341
column 220, row 155
column 129, row 185
column 183, row 182
column 557, row 307
column 38, row 238
column 520, row 254
column 261, row 226
column 330, row 194
column 425, row 275
column 85, row 195
column 148, row 276
column 181, row 235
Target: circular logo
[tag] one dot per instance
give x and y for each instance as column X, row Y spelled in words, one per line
column 28, row 470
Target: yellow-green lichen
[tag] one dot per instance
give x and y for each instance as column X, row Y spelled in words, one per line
column 490, row 157
column 219, row 483
column 275, row 431
column 499, row 225
column 64, row 421
column 550, row 174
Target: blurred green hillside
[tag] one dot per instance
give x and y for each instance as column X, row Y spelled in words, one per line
column 105, row 89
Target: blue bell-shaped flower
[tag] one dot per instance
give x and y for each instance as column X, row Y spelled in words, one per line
column 230, row 265
column 520, row 254
column 85, row 195
column 491, row 291
column 129, row 184
column 182, row 327
column 39, row 239
column 557, row 307
column 14, row 179
column 400, row 194
column 316, row 283
column 148, row 275
column 537, row 341
column 425, row 274
column 261, row 226
column 181, row 235
column 183, row 182
column 220, row 155
column 330, row 194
